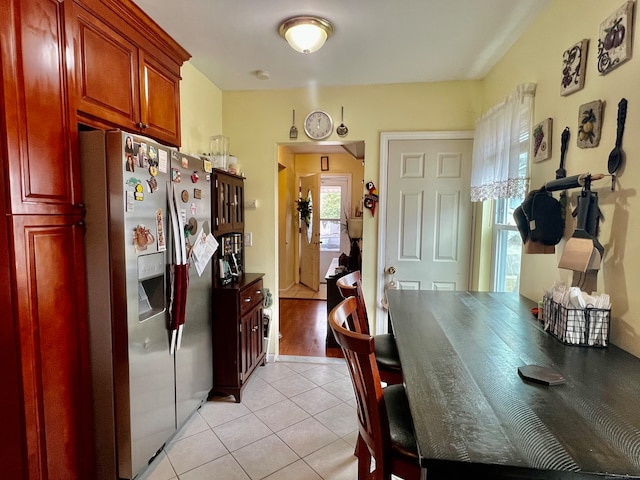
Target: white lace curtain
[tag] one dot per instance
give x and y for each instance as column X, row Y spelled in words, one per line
column 501, row 148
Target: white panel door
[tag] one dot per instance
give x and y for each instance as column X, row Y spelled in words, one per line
column 310, row 235
column 428, row 227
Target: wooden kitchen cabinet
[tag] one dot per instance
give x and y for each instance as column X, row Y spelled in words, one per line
column 128, row 71
column 51, row 323
column 228, row 202
column 37, row 110
column 238, row 329
column 12, row 448
column 44, row 340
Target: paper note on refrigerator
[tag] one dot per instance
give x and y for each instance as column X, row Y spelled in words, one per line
column 203, row 249
column 163, row 160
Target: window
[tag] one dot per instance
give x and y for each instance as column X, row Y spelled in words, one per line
column 500, row 174
column 507, row 247
column 330, row 228
column 507, row 243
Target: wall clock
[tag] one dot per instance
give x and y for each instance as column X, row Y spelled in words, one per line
column 318, row 125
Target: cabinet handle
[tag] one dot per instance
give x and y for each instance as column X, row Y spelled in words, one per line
column 142, row 125
column 247, row 300
column 258, row 292
column 254, row 329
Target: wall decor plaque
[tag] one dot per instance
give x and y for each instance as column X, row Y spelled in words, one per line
column 574, row 62
column 615, row 39
column 542, row 140
column 589, row 124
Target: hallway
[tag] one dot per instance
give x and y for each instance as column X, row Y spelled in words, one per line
column 301, row 291
column 303, row 322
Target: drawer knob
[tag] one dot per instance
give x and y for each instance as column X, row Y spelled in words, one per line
column 258, row 292
column 247, row 300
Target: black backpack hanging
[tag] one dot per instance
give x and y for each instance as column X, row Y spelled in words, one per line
column 545, row 221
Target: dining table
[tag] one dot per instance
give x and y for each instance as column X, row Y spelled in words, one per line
column 476, row 416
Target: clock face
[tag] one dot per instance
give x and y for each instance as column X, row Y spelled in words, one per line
column 318, row 125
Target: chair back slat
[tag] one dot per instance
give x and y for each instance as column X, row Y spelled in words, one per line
column 358, row 349
column 350, row 285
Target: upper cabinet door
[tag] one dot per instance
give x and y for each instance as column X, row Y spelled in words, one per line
column 107, row 68
column 39, row 109
column 160, row 95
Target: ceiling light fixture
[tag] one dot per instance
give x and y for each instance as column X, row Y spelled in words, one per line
column 306, row 34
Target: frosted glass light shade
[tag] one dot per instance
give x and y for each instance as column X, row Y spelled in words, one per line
column 354, row 227
column 306, row 34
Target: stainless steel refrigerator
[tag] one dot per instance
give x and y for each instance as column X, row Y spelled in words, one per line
column 144, row 390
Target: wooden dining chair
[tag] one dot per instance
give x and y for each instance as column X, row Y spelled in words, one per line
column 387, row 357
column 385, row 426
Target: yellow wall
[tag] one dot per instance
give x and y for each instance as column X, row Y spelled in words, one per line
column 200, row 110
column 287, row 226
column 537, row 57
column 257, row 121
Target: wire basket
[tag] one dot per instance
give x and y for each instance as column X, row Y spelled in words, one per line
column 586, row 327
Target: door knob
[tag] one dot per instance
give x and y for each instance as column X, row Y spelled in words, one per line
column 391, row 270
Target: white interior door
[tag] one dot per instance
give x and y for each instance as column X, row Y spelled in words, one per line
column 428, row 213
column 310, row 235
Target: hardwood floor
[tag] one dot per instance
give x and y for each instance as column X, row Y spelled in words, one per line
column 303, row 326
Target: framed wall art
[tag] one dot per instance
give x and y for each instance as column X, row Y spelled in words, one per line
column 324, row 164
column 574, row 62
column 542, row 140
column 615, row 39
column 589, row 124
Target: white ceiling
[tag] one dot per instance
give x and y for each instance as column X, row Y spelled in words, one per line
column 374, row 41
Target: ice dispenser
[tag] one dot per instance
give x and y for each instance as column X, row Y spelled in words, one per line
column 151, row 285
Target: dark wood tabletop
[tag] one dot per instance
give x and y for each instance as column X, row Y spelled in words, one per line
column 474, row 415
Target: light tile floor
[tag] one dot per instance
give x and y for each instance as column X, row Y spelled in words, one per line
column 297, row 421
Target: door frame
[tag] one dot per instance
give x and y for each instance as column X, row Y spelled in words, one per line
column 385, row 138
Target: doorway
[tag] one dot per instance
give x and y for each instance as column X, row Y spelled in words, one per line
column 345, row 169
